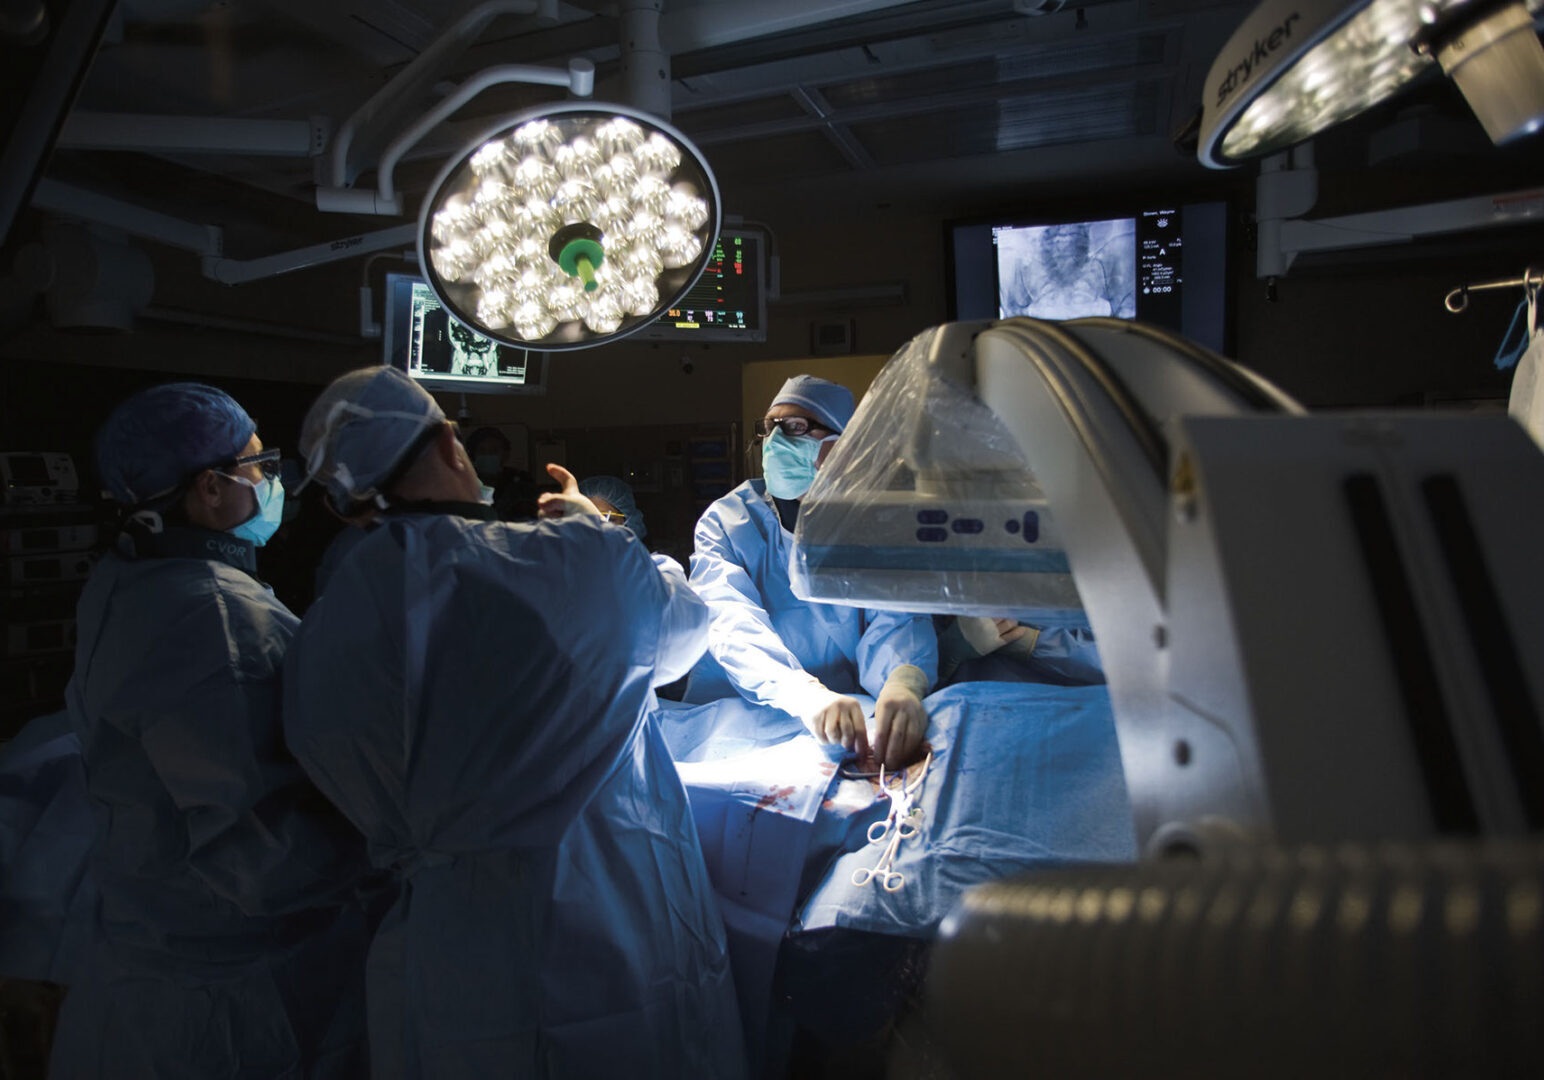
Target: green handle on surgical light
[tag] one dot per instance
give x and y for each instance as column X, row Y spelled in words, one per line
column 580, row 258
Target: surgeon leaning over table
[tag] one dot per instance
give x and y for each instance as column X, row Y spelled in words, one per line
column 784, row 657
column 475, row 695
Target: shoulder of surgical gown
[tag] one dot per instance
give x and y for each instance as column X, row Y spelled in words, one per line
column 458, row 676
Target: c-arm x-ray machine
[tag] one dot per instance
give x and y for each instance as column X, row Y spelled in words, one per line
column 1317, row 629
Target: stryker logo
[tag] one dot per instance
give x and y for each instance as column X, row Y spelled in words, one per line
column 355, row 241
column 1239, row 74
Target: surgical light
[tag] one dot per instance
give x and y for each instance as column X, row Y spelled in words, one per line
column 569, row 226
column 1295, row 67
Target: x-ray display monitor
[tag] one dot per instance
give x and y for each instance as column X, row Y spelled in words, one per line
column 422, row 339
column 1163, row 264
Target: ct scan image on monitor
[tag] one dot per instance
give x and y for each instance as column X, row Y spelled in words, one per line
column 422, row 339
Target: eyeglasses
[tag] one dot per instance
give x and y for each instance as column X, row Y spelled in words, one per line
column 267, row 461
column 613, row 517
column 792, row 426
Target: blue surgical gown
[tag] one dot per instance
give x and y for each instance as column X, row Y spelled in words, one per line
column 228, row 941
column 47, row 893
column 771, row 648
column 1062, row 656
column 475, row 695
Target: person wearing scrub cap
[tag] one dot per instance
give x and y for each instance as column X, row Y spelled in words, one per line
column 475, row 695
column 778, row 652
column 613, row 497
column 513, row 492
column 489, row 449
column 228, row 940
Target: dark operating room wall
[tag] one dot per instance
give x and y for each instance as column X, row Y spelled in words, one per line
column 1359, row 329
column 1364, row 328
column 1374, row 332
column 1354, row 329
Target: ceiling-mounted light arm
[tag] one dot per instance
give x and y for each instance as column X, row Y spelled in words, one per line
column 423, row 70
column 241, row 271
column 207, row 241
column 645, row 63
column 578, row 78
column 71, row 201
column 1287, row 189
column 1301, row 236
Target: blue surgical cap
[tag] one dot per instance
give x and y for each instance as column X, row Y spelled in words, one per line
column 618, row 494
column 829, row 402
column 358, row 431
column 159, row 437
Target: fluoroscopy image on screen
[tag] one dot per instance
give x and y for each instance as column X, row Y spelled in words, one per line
column 440, row 346
column 1067, row 271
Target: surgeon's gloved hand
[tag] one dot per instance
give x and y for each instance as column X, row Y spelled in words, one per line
column 900, row 721
column 842, row 722
column 988, row 635
column 568, row 502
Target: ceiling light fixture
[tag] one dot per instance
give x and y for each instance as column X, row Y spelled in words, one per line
column 569, row 226
column 1296, row 67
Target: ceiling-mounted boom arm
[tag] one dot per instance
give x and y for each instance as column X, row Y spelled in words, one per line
column 579, row 78
column 369, row 123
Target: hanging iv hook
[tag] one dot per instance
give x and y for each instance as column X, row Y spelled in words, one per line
column 1458, row 299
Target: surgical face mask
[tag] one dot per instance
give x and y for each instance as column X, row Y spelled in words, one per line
column 270, row 510
column 789, row 464
column 488, row 466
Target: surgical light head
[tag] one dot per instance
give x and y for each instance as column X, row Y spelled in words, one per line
column 1293, row 69
column 357, row 435
column 569, row 226
column 159, row 437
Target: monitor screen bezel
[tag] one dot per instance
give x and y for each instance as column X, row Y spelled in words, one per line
column 659, row 330
column 535, row 362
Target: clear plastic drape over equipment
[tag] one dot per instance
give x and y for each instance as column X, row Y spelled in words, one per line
column 927, row 504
